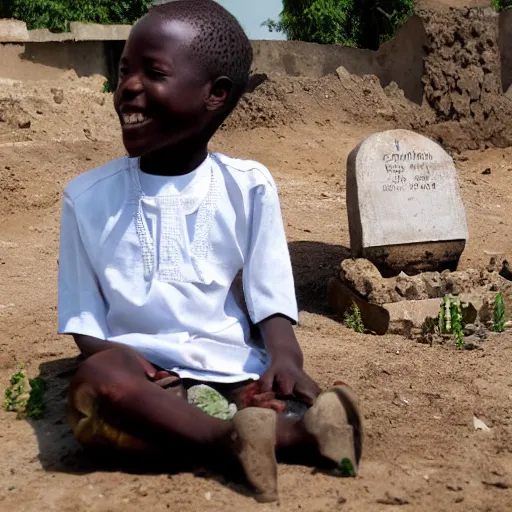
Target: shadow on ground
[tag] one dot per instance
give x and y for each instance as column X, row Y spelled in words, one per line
column 314, row 263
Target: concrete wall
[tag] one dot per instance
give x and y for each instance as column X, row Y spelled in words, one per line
column 399, row 60
column 49, row 61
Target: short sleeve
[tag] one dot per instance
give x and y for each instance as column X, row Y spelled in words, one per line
column 267, row 275
column 81, row 307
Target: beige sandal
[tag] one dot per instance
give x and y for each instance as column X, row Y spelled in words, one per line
column 255, row 446
column 335, row 422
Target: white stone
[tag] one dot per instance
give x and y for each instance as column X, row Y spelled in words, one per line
column 402, row 189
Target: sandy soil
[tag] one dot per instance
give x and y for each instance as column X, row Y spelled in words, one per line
column 421, row 449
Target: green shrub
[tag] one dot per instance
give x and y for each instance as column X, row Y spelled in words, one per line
column 56, row 15
column 502, row 5
column 499, row 314
column 353, row 320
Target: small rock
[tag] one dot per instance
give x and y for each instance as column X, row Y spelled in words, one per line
column 480, row 425
column 24, row 124
column 498, row 484
column 472, row 343
column 487, row 171
column 469, row 329
column 400, row 401
column 142, row 491
column 392, row 500
column 11, row 488
column 454, row 488
column 208, row 496
column 342, row 500
column 58, row 96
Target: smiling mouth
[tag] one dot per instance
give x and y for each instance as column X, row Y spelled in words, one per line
column 134, row 120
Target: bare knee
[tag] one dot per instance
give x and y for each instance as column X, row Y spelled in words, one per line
column 111, row 375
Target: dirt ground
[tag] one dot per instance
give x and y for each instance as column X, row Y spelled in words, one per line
column 421, row 450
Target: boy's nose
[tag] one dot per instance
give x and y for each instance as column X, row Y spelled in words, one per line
column 132, row 85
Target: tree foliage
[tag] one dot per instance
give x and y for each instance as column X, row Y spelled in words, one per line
column 57, row 14
column 359, row 23
column 502, row 5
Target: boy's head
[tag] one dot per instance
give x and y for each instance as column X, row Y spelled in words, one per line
column 184, row 68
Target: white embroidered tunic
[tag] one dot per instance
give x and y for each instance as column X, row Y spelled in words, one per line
column 150, row 261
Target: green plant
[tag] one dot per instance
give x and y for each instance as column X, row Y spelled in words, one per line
column 353, row 319
column 106, row 87
column 36, row 405
column 359, row 23
column 56, row 15
column 17, row 394
column 450, row 319
column 346, row 468
column 24, row 396
column 502, row 5
column 499, row 314
column 457, row 323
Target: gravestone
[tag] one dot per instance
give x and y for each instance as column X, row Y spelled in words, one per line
column 404, row 207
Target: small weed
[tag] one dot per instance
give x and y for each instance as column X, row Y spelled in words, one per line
column 36, row 405
column 346, row 468
column 353, row 320
column 24, row 396
column 499, row 314
column 106, row 87
column 450, row 319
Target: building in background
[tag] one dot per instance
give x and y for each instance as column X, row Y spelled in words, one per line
column 251, row 14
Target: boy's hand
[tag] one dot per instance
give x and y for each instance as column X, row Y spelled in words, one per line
column 286, row 375
column 287, row 378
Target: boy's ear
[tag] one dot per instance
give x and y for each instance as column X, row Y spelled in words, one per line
column 219, row 93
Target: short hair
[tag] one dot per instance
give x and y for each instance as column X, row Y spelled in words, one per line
column 221, row 46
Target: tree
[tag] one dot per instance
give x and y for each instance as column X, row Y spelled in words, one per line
column 360, row 23
column 56, row 14
column 502, row 5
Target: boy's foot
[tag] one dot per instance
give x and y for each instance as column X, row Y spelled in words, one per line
column 335, row 423
column 254, row 441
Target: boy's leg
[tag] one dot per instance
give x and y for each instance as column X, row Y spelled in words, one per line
column 113, row 386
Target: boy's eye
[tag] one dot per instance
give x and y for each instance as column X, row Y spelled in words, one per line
column 123, row 70
column 156, row 73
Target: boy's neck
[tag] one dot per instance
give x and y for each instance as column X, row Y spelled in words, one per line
column 175, row 161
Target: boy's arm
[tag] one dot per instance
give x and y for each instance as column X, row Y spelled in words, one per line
column 270, row 297
column 286, row 368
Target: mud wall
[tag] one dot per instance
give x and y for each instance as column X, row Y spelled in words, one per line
column 464, row 80
column 505, row 43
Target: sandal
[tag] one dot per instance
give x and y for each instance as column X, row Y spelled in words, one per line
column 254, row 443
column 335, row 422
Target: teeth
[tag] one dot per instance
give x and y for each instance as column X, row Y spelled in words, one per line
column 134, row 118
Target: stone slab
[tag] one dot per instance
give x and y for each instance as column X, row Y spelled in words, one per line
column 395, row 318
column 404, row 206
column 13, row 30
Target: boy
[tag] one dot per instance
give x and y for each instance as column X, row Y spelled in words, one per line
column 151, row 246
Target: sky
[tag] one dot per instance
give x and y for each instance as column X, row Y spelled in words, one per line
column 251, row 13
